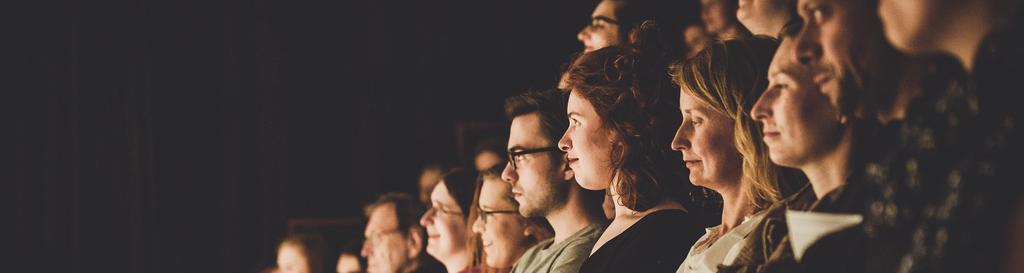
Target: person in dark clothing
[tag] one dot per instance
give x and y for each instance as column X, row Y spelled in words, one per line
column 953, row 210
column 621, row 122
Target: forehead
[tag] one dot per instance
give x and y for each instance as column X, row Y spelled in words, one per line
column 525, row 131
column 495, row 193
column 441, row 195
column 783, row 55
column 382, row 217
column 687, row 101
column 578, row 104
column 606, row 9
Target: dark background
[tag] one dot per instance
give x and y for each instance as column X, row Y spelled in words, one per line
column 182, row 136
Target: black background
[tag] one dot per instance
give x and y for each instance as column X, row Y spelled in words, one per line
column 181, row 136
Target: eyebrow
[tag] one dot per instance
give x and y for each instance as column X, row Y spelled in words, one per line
column 573, row 114
column 515, row 148
column 605, row 19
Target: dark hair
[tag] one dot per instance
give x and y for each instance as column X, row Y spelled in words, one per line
column 354, row 248
column 630, row 90
column 671, row 16
column 460, row 183
column 407, row 211
column 548, row 104
column 312, row 246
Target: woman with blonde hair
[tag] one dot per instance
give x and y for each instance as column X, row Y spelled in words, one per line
column 721, row 143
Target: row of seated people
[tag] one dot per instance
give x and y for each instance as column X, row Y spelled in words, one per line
column 837, row 136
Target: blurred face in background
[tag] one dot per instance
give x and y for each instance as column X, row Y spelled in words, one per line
column 348, row 263
column 916, row 25
column 603, row 30
column 696, row 39
column 503, row 232
column 485, row 160
column 428, row 179
column 386, row 248
column 715, row 15
column 290, row 259
column 446, row 226
column 764, row 17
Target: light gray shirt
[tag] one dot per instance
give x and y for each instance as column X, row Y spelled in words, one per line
column 565, row 257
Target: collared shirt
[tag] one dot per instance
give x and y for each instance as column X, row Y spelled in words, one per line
column 705, row 257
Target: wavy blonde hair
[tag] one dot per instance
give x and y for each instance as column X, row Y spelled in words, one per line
column 730, row 76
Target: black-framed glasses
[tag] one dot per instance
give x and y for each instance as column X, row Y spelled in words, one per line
column 600, row 20
column 483, row 214
column 440, row 209
column 514, row 156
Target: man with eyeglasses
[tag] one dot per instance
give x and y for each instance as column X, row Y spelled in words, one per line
column 543, row 184
column 394, row 239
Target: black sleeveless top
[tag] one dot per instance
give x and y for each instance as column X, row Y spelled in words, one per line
column 656, row 243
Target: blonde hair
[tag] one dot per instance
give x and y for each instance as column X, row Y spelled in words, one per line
column 730, row 76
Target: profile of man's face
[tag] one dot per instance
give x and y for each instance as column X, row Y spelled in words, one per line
column 603, row 30
column 827, row 39
column 539, row 181
column 386, row 248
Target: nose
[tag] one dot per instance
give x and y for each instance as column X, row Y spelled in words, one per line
column 761, row 110
column 366, row 250
column 583, row 35
column 808, row 45
column 428, row 217
column 509, row 175
column 565, row 143
column 681, row 141
column 478, row 224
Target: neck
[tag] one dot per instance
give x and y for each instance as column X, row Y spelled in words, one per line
column 572, row 217
column 411, row 266
column 735, row 206
column 624, row 213
column 830, row 171
column 457, row 263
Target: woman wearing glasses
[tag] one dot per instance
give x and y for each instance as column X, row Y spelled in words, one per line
column 504, row 234
column 448, row 220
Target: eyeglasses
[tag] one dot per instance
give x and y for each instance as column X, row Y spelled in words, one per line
column 514, row 156
column 377, row 237
column 439, row 209
column 483, row 214
column 599, row 20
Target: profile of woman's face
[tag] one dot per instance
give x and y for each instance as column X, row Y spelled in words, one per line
column 503, row 233
column 800, row 122
column 446, row 225
column 587, row 144
column 706, row 140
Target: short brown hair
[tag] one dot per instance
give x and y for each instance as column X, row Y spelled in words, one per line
column 407, row 210
column 548, row 104
column 630, row 90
